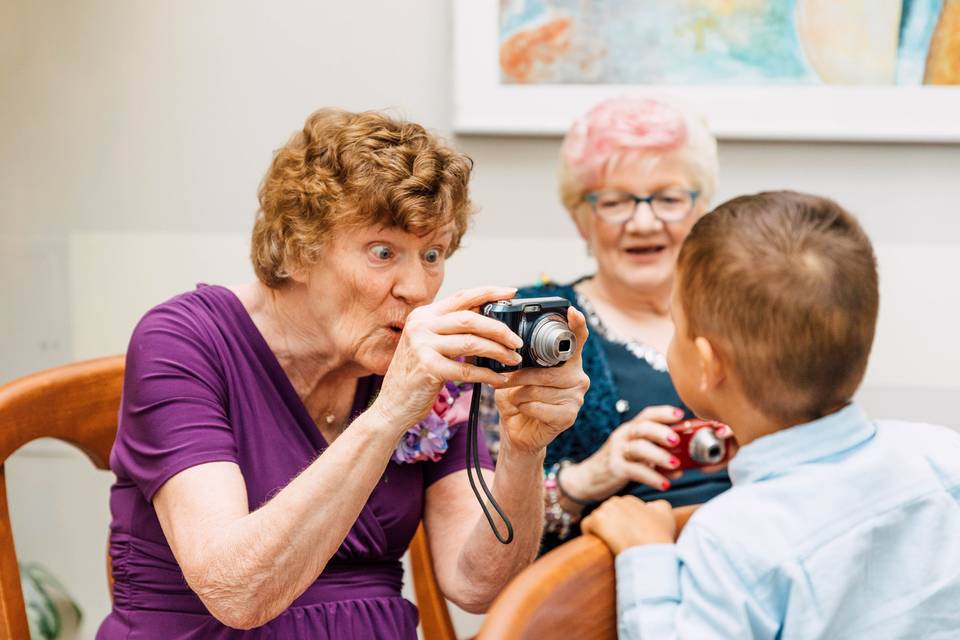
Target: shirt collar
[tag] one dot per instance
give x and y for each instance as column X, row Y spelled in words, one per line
column 845, row 429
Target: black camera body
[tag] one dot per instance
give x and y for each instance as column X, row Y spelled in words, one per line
column 542, row 325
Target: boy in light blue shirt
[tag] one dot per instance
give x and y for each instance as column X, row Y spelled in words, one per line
column 837, row 526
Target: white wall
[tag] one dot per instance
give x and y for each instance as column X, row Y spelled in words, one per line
column 133, row 135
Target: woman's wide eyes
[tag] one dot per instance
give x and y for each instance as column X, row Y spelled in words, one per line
column 432, row 256
column 381, row 252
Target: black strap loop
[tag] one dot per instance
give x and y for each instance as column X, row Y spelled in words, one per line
column 473, row 462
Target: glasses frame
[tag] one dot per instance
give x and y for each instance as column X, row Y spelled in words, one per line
column 591, row 197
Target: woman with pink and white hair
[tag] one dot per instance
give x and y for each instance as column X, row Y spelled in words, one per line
column 635, row 175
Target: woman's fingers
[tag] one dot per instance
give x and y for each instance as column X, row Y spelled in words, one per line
column 556, row 415
column 446, row 369
column 664, row 414
column 644, row 451
column 653, row 431
column 550, row 395
column 455, row 346
column 566, row 376
column 723, row 432
column 644, row 474
column 578, row 324
column 460, row 322
column 473, row 298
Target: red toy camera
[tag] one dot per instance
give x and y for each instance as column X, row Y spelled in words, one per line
column 699, row 444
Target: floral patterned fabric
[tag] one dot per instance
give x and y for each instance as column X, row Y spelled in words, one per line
column 429, row 439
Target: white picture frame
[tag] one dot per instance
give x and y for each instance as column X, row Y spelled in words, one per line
column 484, row 105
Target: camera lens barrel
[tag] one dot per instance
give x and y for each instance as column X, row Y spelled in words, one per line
column 551, row 341
column 706, row 447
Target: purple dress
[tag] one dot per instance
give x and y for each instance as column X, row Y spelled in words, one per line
column 201, row 386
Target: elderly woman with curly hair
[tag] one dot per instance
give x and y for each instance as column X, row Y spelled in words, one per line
column 635, row 175
column 280, row 441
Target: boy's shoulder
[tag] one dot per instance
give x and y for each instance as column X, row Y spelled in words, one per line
column 930, row 444
column 741, row 523
column 768, row 522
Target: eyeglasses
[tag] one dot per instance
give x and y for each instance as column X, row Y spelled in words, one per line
column 617, row 207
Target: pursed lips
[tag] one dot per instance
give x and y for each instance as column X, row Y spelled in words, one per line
column 647, row 249
column 396, row 328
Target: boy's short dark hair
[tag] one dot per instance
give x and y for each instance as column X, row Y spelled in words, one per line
column 784, row 284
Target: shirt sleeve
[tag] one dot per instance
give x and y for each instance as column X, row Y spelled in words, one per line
column 173, row 412
column 666, row 592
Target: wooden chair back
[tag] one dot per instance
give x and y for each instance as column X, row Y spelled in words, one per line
column 79, row 404
column 434, row 615
column 568, row 593
column 76, row 403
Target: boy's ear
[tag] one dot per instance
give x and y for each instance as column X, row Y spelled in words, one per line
column 712, row 369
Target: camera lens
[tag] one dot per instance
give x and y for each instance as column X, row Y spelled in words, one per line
column 706, row 447
column 551, row 341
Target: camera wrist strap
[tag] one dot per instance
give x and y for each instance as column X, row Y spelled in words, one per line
column 473, row 464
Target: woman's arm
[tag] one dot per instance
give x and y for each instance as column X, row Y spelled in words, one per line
column 472, row 566
column 248, row 567
column 535, row 405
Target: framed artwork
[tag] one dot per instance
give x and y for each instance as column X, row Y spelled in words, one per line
column 867, row 70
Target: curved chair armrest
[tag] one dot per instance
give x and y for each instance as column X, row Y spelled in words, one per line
column 568, row 593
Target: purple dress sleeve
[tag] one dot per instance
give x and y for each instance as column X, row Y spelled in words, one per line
column 173, row 412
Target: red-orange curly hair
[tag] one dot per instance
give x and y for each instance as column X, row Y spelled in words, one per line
column 355, row 169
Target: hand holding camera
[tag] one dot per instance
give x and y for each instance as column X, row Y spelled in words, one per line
column 652, row 448
column 433, row 344
column 636, row 451
column 546, row 387
column 530, row 338
column 702, row 444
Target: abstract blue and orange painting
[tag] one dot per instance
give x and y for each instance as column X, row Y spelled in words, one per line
column 759, row 42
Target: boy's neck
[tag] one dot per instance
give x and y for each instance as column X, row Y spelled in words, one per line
column 748, row 423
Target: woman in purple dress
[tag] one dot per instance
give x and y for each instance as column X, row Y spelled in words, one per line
column 261, row 491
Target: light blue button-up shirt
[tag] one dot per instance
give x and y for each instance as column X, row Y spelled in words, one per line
column 840, row 528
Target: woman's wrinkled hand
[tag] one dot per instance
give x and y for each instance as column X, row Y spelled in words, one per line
column 626, row 521
column 434, row 337
column 632, row 453
column 536, row 405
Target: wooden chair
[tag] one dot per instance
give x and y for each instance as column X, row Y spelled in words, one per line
column 79, row 403
column 75, row 403
column 568, row 593
column 434, row 614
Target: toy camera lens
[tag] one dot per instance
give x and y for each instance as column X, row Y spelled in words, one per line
column 706, row 447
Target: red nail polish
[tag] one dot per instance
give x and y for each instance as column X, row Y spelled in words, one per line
column 674, row 462
column 665, row 485
column 673, row 440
